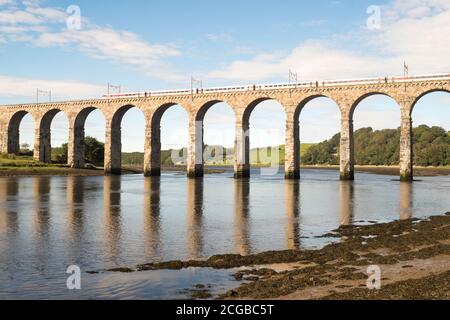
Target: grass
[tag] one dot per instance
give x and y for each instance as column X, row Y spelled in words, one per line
column 13, row 162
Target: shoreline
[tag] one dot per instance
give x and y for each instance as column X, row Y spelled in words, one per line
column 413, row 257
column 66, row 171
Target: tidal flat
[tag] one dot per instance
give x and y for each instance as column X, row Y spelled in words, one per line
column 413, row 256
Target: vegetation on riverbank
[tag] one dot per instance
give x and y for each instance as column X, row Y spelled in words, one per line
column 382, row 147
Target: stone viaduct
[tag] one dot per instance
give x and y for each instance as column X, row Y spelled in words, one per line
column 293, row 99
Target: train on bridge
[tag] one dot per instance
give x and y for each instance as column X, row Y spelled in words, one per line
column 261, row 87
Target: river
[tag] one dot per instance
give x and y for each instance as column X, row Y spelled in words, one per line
column 97, row 223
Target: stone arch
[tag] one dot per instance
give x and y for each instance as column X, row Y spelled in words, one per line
column 242, row 142
column 200, row 125
column 152, row 161
column 429, row 103
column 13, row 145
column 43, row 153
column 301, row 105
column 203, row 110
column 423, row 94
column 348, row 126
column 76, row 152
column 113, row 148
column 367, row 95
column 253, row 104
column 292, row 153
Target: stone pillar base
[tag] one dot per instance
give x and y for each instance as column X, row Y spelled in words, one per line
column 347, row 176
column 154, row 172
column 406, row 176
column 113, row 172
column 292, row 175
column 197, row 172
column 242, row 173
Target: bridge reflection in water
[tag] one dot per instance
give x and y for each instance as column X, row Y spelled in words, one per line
column 107, row 226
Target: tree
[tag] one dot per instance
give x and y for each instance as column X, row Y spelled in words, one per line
column 94, row 152
column 25, row 146
column 382, row 147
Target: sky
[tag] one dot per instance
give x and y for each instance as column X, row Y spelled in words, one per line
column 74, row 48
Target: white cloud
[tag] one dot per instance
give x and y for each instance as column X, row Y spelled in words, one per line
column 15, row 87
column 46, row 27
column 416, row 31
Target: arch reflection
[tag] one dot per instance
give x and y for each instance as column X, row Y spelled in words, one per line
column 292, row 209
column 406, row 201
column 152, row 218
column 241, row 216
column 347, row 200
column 194, row 221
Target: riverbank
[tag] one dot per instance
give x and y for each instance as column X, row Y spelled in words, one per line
column 60, row 170
column 390, row 170
column 48, row 171
column 413, row 257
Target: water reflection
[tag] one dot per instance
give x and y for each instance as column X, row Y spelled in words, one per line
column 41, row 221
column 292, row 208
column 75, row 207
column 152, row 217
column 406, row 201
column 8, row 207
column 112, row 229
column 241, row 216
column 346, row 197
column 194, row 220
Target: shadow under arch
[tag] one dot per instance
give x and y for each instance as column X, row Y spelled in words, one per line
column 152, row 161
column 76, row 156
column 44, row 151
column 14, row 131
column 242, row 143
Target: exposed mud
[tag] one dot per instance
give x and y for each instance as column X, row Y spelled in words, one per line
column 339, row 268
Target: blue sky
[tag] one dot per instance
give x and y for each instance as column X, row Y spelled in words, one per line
column 150, row 45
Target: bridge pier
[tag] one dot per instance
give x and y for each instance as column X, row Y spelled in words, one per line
column 292, row 148
column 347, row 162
column 152, row 150
column 195, row 165
column 76, row 152
column 406, row 149
column 242, row 150
column 42, row 145
column 113, row 149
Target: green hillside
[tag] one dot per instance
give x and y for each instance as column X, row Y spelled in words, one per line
column 382, row 147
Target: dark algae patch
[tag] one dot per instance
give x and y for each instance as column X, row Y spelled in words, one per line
column 435, row 287
column 337, row 264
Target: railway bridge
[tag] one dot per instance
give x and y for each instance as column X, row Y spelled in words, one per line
column 406, row 91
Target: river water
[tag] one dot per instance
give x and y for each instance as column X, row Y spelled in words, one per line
column 97, row 223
